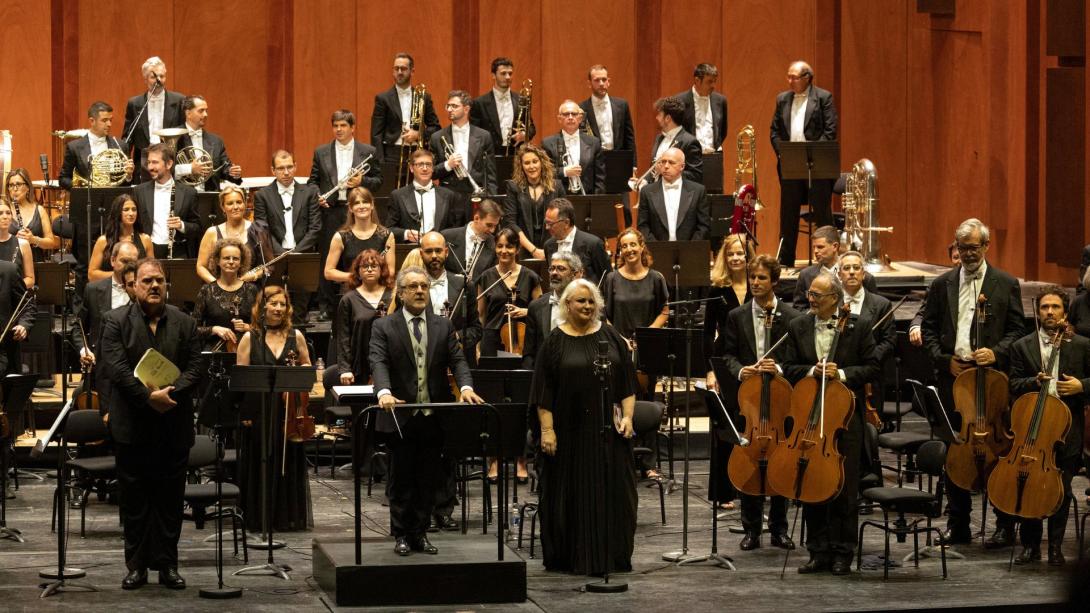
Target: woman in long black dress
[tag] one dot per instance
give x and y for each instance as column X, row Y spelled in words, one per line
column 224, row 306
column 362, row 230
column 32, row 222
column 495, row 304
column 575, row 491
column 122, row 223
column 272, row 341
column 533, row 185
column 371, row 297
column 14, row 249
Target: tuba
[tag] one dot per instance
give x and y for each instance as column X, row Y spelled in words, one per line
column 860, row 205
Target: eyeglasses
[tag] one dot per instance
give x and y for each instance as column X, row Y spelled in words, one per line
column 423, row 165
column 16, row 184
column 368, row 266
column 971, row 248
column 813, row 294
column 559, row 269
column 570, row 114
column 416, row 287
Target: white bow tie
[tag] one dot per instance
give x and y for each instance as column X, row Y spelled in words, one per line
column 674, row 186
column 554, row 299
column 197, row 133
column 441, row 281
column 161, row 187
column 97, row 140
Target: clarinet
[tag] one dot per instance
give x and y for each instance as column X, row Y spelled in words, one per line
column 170, row 231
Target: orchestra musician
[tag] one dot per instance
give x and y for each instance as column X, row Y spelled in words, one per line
column 153, row 201
column 608, row 116
column 1079, row 313
column 948, row 334
column 78, row 153
column 474, row 245
column 102, row 296
column 705, row 109
column 12, row 288
column 831, row 527
column 670, row 113
column 635, row 294
column 447, row 293
column 869, row 307
column 362, row 230
column 473, row 149
column 389, row 129
column 410, row 354
column 152, row 428
column 1070, row 381
column 420, row 207
column 152, row 110
column 803, row 113
column 533, row 185
column 14, row 249
column 38, row 231
column 566, row 238
column 371, row 297
column 675, row 208
column 235, row 225
column 915, row 336
column 496, row 110
column 220, row 168
column 826, row 242
column 544, row 312
column 224, row 306
column 122, row 224
column 494, row 300
column 586, row 162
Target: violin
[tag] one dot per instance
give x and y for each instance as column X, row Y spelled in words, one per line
column 232, row 346
column 869, row 412
column 88, row 398
column 981, row 398
column 763, row 401
column 513, row 333
column 1026, row 481
column 809, row 468
column 298, row 423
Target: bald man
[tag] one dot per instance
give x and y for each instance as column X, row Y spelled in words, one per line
column 586, row 167
column 673, row 208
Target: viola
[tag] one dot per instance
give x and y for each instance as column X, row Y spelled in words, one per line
column 512, row 332
column 298, row 423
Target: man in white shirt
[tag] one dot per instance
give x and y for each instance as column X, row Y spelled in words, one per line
column 583, row 169
column 218, row 166
column 705, row 109
column 153, row 201
column 102, row 296
column 391, row 114
column 421, row 206
column 150, row 111
column 497, row 110
column 472, row 149
column 566, row 238
column 78, row 153
column 674, row 208
column 608, row 116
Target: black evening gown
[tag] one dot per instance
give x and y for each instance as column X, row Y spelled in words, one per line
column 353, row 334
column 217, row 307
column 574, row 527
column 496, row 302
column 290, row 491
column 720, row 489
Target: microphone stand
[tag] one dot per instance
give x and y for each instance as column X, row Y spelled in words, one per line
column 602, row 368
column 147, row 99
column 218, row 373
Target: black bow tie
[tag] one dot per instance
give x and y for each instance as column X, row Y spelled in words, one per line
column 422, row 190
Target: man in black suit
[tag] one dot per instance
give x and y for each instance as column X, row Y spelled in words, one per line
column 473, row 150
column 705, row 109
column 410, row 354
column 674, row 208
column 826, row 242
column 497, row 110
column 333, row 162
column 220, row 168
column 544, row 311
column 669, row 113
column 152, row 427
column 78, row 153
column 1070, row 381
column 870, row 309
column 744, row 340
column 473, row 246
column 803, row 113
column 421, row 206
column 151, row 111
column 915, row 336
column 288, row 208
column 831, row 527
column 153, row 201
column 389, row 120
column 608, row 116
column 950, row 337
column 587, row 167
column 566, row 238
column 104, row 295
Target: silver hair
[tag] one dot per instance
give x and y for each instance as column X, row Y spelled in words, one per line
column 569, row 101
column 805, row 68
column 834, row 284
column 572, row 260
column 853, row 253
column 150, row 63
column 966, row 228
column 578, row 284
column 406, row 272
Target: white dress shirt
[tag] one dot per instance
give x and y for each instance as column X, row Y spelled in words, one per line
column 554, row 312
column 798, row 116
column 159, row 233
column 564, row 245
column 506, row 110
column 474, row 242
column 438, row 292
column 759, row 324
column 968, row 290
column 118, row 296
column 156, row 105
column 672, row 194
column 855, row 301
column 603, row 114
column 667, row 140
column 405, row 101
column 573, row 145
column 344, row 155
column 286, row 194
column 1043, row 340
column 705, row 133
column 425, row 205
column 824, row 330
column 98, row 144
column 460, row 136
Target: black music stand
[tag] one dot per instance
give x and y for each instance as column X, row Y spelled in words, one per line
column 401, row 251
column 382, row 206
column 209, row 212
column 505, row 168
column 52, row 282
column 298, row 272
column 620, row 166
column 497, row 363
column 183, row 284
column 810, row 160
column 685, row 263
column 722, row 211
column 598, row 213
column 86, row 208
column 713, row 172
column 540, row 268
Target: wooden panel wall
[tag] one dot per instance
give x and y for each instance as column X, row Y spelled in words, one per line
column 951, row 108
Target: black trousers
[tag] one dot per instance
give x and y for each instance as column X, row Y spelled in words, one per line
column 752, row 509
column 819, row 195
column 333, row 218
column 446, row 496
column 151, row 485
column 1057, row 523
column 416, row 475
column 832, row 527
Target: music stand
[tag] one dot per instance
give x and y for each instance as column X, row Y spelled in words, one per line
column 810, row 160
column 209, row 212
column 86, row 208
column 722, row 212
column 183, row 284
column 683, row 262
column 401, row 251
column 505, row 168
column 298, row 272
column 713, row 172
column 498, row 363
column 390, row 172
column 599, row 215
column 620, row 166
column 52, row 288
column 382, row 205
column 540, row 268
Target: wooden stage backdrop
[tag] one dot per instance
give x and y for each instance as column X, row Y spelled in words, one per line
column 967, row 107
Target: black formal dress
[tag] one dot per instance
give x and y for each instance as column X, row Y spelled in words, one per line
column 633, row 304
column 495, row 301
column 354, row 318
column 290, row 491
column 35, row 227
column 526, row 214
column 715, row 321
column 352, row 246
column 217, row 307
column 574, row 486
column 10, row 252
column 12, row 289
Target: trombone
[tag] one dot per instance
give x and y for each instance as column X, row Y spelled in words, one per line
column 461, row 171
column 522, row 118
column 415, row 122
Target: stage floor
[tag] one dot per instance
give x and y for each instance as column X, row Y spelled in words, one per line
column 981, row 580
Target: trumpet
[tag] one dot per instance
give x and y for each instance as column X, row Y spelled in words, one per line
column 650, row 176
column 461, row 171
column 357, row 171
column 415, row 122
column 522, row 117
column 575, row 184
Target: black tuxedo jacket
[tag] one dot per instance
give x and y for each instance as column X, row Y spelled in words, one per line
column 538, row 320
column 403, row 212
column 1025, row 358
column 482, row 167
column 1003, row 326
column 590, row 160
column 95, row 304
column 719, row 116
column 185, row 206
column 323, row 168
column 77, row 156
column 469, row 323
column 807, row 276
column 875, row 308
column 820, row 122
column 140, row 139
column 854, row 353
column 624, row 135
column 590, row 249
column 693, row 215
column 483, row 114
column 393, row 365
column 694, row 154
column 125, row 338
column 737, row 345
column 386, row 122
column 215, row 147
column 306, row 216
column 456, row 242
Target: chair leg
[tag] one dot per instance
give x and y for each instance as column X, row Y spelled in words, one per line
column 885, row 562
column 1078, row 528
column 533, row 530
column 662, row 501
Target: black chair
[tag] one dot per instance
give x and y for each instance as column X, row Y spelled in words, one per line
column 905, row 444
column 931, row 460
column 646, row 418
column 86, row 430
column 199, row 496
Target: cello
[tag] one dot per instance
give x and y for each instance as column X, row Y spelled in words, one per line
column 1026, row 481
column 763, row 401
column 809, row 468
column 980, row 397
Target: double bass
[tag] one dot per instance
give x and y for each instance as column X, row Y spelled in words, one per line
column 1026, row 481
column 763, row 401
column 809, row 467
column 981, row 398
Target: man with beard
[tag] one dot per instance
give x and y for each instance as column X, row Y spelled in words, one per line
column 544, row 311
column 447, row 293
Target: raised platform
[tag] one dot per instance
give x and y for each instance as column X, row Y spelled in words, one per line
column 465, row 571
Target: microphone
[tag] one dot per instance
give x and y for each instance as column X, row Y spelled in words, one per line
column 43, row 160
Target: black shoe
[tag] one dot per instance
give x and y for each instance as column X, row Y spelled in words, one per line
column 955, row 536
column 401, row 547
column 134, row 579
column 170, row 578
column 443, row 522
column 782, row 541
column 1029, row 554
column 1002, row 538
column 750, row 542
column 1055, row 555
column 842, row 565
column 423, row 544
column 818, row 562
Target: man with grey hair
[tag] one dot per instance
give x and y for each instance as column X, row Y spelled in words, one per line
column 869, row 308
column 544, row 311
column 585, row 166
column 675, row 208
column 957, row 343
column 705, row 109
column 150, row 111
